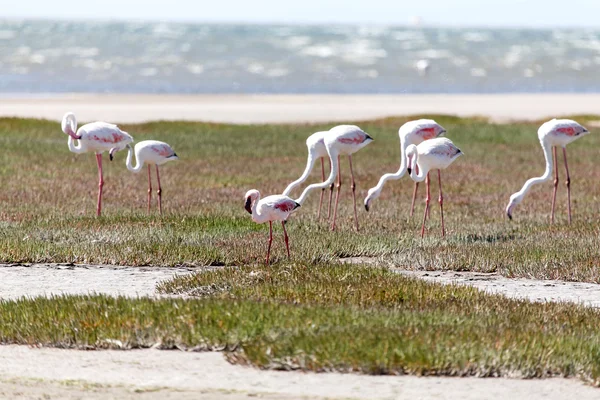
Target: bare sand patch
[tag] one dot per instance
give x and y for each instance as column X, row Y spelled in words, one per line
column 261, row 109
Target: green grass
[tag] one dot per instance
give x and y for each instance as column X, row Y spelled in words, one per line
column 48, row 201
column 327, row 318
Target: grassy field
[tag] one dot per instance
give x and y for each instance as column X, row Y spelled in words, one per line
column 48, row 200
column 310, row 312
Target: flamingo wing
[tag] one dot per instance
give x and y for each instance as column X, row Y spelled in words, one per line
column 105, row 134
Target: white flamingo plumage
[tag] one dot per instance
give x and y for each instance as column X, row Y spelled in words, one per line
column 412, row 132
column 271, row 208
column 552, row 134
column 97, row 137
column 438, row 154
column 150, row 152
column 316, row 150
column 340, row 140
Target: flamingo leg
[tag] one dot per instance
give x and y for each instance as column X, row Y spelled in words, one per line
column 427, row 199
column 441, row 201
column 337, row 195
column 412, row 205
column 149, row 189
column 285, row 237
column 100, row 184
column 159, row 191
column 353, row 186
column 322, row 190
column 330, row 194
column 568, row 182
column 555, row 184
column 270, row 240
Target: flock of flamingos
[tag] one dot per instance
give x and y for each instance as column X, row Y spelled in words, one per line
column 422, row 149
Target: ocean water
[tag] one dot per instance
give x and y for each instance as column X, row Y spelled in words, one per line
column 145, row 57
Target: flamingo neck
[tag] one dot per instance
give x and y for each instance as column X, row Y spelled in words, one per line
column 76, row 148
column 376, row 191
column 333, row 157
column 309, row 166
column 418, row 173
column 128, row 162
column 517, row 197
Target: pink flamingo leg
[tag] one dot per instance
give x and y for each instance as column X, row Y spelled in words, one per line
column 270, row 241
column 330, row 195
column 285, row 237
column 412, row 205
column 100, row 184
column 322, row 190
column 159, row 191
column 441, row 201
column 353, row 186
column 568, row 182
column 555, row 184
column 428, row 195
column 426, row 206
column 149, row 189
column 337, row 196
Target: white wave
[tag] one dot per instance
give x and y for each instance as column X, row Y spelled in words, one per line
column 477, row 37
column 321, row 51
column 196, row 69
column 148, row 71
column 478, row 72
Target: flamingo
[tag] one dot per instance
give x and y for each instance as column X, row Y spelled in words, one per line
column 97, row 137
column 552, row 134
column 151, row 152
column 438, row 154
column 316, row 150
column 340, row 140
column 271, row 208
column 412, row 132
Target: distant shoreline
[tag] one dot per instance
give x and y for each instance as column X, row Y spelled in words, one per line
column 268, row 109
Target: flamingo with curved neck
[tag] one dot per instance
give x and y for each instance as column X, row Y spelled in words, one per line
column 552, row 134
column 96, row 137
column 340, row 140
column 412, row 132
column 438, row 154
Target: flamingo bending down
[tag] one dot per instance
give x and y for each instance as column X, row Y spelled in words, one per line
column 151, row 152
column 438, row 154
column 552, row 134
column 340, row 140
column 412, row 132
column 97, row 137
column 271, row 208
column 316, row 150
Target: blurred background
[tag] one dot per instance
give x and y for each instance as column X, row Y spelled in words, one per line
column 311, row 46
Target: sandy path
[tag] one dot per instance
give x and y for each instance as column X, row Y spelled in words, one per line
column 55, row 279
column 211, row 374
column 293, row 108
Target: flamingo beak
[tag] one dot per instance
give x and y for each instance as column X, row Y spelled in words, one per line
column 248, row 205
column 367, row 206
column 409, row 170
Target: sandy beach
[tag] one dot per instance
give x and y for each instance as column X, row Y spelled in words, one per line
column 259, row 109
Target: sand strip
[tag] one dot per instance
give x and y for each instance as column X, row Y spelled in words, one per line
column 211, row 374
column 257, row 109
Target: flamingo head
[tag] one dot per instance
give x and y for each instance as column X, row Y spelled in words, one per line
column 372, row 194
column 251, row 196
column 411, row 155
column 69, row 125
column 514, row 200
column 112, row 151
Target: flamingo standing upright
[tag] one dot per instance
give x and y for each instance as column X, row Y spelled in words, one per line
column 316, row 150
column 340, row 140
column 552, row 134
column 151, row 152
column 269, row 209
column 412, row 132
column 97, row 137
column 438, row 154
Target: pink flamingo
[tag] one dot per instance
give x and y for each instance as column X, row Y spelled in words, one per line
column 97, row 137
column 269, row 209
column 412, row 132
column 552, row 134
column 340, row 140
column 151, row 152
column 316, row 150
column 438, row 154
